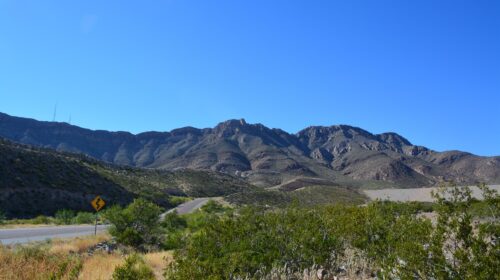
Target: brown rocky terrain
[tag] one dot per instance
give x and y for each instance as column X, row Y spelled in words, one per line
column 267, row 157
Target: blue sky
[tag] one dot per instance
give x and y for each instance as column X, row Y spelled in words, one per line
column 428, row 70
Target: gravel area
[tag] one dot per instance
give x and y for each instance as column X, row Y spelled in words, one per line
column 416, row 194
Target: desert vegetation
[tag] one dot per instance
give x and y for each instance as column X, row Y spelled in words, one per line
column 383, row 240
column 456, row 237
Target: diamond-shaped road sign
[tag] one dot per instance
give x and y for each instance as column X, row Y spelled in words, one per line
column 98, row 203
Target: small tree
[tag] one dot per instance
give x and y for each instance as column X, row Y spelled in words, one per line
column 137, row 225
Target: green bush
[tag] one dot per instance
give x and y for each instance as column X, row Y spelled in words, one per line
column 2, row 217
column 393, row 239
column 64, row 216
column 251, row 243
column 172, row 222
column 174, row 240
column 175, row 227
column 197, row 220
column 212, row 207
column 461, row 247
column 84, row 218
column 137, row 225
column 134, row 268
column 178, row 200
column 41, row 220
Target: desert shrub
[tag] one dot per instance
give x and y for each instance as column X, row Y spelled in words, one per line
column 403, row 246
column 392, row 236
column 175, row 227
column 172, row 221
column 174, row 240
column 137, row 225
column 212, row 207
column 41, row 220
column 64, row 216
column 251, row 243
column 134, row 268
column 84, row 218
column 464, row 248
column 177, row 200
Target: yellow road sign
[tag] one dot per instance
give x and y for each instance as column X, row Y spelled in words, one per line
column 98, row 203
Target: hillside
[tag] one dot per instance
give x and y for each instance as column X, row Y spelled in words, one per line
column 266, row 157
column 36, row 181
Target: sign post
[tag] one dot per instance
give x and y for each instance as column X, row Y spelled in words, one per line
column 98, row 203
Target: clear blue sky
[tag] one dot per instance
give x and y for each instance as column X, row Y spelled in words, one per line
column 429, row 70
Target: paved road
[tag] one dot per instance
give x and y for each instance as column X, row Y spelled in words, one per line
column 25, row 235
column 188, row 207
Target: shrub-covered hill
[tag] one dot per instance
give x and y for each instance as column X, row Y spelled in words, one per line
column 36, row 181
column 302, row 191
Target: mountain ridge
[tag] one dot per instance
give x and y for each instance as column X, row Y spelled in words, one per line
column 36, row 181
column 266, row 156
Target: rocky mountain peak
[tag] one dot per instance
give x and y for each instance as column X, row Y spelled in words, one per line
column 229, row 127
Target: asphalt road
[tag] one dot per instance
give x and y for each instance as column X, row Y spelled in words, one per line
column 188, row 207
column 25, row 235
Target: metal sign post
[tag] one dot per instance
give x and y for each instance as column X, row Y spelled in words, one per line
column 95, row 228
column 98, row 203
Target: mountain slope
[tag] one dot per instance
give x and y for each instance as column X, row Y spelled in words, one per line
column 267, row 157
column 36, row 181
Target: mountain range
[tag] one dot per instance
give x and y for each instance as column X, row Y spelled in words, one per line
column 266, row 157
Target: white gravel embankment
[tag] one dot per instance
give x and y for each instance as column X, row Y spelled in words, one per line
column 416, row 194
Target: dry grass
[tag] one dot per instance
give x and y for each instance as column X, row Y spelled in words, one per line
column 13, row 226
column 158, row 262
column 78, row 244
column 67, row 259
column 36, row 263
column 100, row 266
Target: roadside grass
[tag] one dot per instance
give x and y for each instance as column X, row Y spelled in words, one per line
column 158, row 262
column 78, row 244
column 68, row 259
column 100, row 266
column 33, row 262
